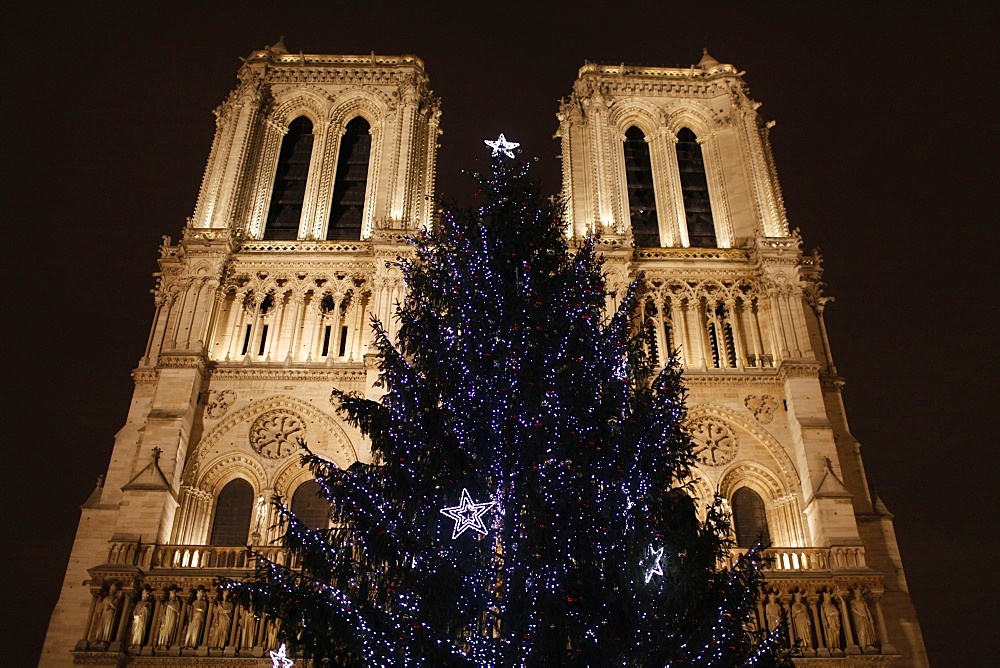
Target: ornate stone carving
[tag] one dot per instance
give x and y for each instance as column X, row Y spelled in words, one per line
column 714, row 443
column 762, row 407
column 274, row 433
column 219, row 402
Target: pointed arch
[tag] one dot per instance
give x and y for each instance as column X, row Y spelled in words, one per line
column 338, row 446
column 288, row 189
column 233, row 514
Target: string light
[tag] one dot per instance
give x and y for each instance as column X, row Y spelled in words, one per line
column 507, row 375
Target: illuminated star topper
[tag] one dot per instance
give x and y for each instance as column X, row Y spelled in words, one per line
column 278, row 659
column 501, row 145
column 468, row 514
column 657, row 569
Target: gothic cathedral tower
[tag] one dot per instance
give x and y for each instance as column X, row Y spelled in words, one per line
column 321, row 164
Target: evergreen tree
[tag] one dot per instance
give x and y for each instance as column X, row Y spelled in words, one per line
column 526, row 504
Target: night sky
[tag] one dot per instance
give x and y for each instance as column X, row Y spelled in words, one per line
column 886, row 118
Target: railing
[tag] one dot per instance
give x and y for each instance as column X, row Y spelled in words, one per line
column 793, row 559
column 808, row 559
column 193, row 556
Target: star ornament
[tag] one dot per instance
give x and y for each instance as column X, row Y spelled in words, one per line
column 501, row 145
column 278, row 659
column 468, row 514
column 657, row 568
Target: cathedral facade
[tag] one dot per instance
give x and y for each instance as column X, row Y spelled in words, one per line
column 320, row 167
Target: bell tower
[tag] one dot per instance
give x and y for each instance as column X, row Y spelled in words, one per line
column 672, row 168
column 320, row 164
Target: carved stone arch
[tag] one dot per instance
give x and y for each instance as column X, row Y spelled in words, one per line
column 372, row 105
column 375, row 107
column 340, row 449
column 755, row 476
column 786, row 468
column 288, row 478
column 227, row 468
column 781, row 504
column 712, row 290
column 701, row 488
column 299, row 101
column 746, row 289
column 694, row 116
column 639, row 113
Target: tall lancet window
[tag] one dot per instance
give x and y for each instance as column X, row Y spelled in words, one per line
column 289, row 189
column 749, row 518
column 694, row 186
column 641, row 198
column 233, row 511
column 351, row 182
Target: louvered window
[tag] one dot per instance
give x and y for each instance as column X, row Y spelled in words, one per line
column 351, row 182
column 233, row 511
column 641, row 198
column 694, row 187
column 289, row 191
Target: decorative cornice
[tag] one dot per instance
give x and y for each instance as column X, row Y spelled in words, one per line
column 353, row 373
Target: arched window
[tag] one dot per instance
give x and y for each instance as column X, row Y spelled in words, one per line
column 641, row 198
column 289, row 189
column 749, row 518
column 351, row 182
column 310, row 507
column 233, row 510
column 694, row 187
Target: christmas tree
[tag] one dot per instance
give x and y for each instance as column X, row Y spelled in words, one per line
column 526, row 505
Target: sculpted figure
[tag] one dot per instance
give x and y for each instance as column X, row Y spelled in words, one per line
column 219, row 637
column 171, row 613
column 273, row 627
column 773, row 612
column 105, row 629
column 862, row 620
column 831, row 621
column 801, row 622
column 197, row 619
column 140, row 617
column 246, row 628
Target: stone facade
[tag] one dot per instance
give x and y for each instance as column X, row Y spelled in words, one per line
column 251, row 332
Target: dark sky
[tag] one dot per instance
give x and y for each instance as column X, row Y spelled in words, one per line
column 886, row 115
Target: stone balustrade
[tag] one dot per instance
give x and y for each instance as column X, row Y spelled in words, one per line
column 165, row 600
column 808, row 558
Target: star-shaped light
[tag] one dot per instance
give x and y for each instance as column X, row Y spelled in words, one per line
column 501, row 145
column 278, row 659
column 657, row 568
column 468, row 514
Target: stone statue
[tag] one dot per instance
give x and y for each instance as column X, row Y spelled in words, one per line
column 862, row 620
column 219, row 636
column 105, row 628
column 801, row 622
column 171, row 613
column 273, row 627
column 831, row 621
column 140, row 618
column 246, row 628
column 772, row 611
column 197, row 618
